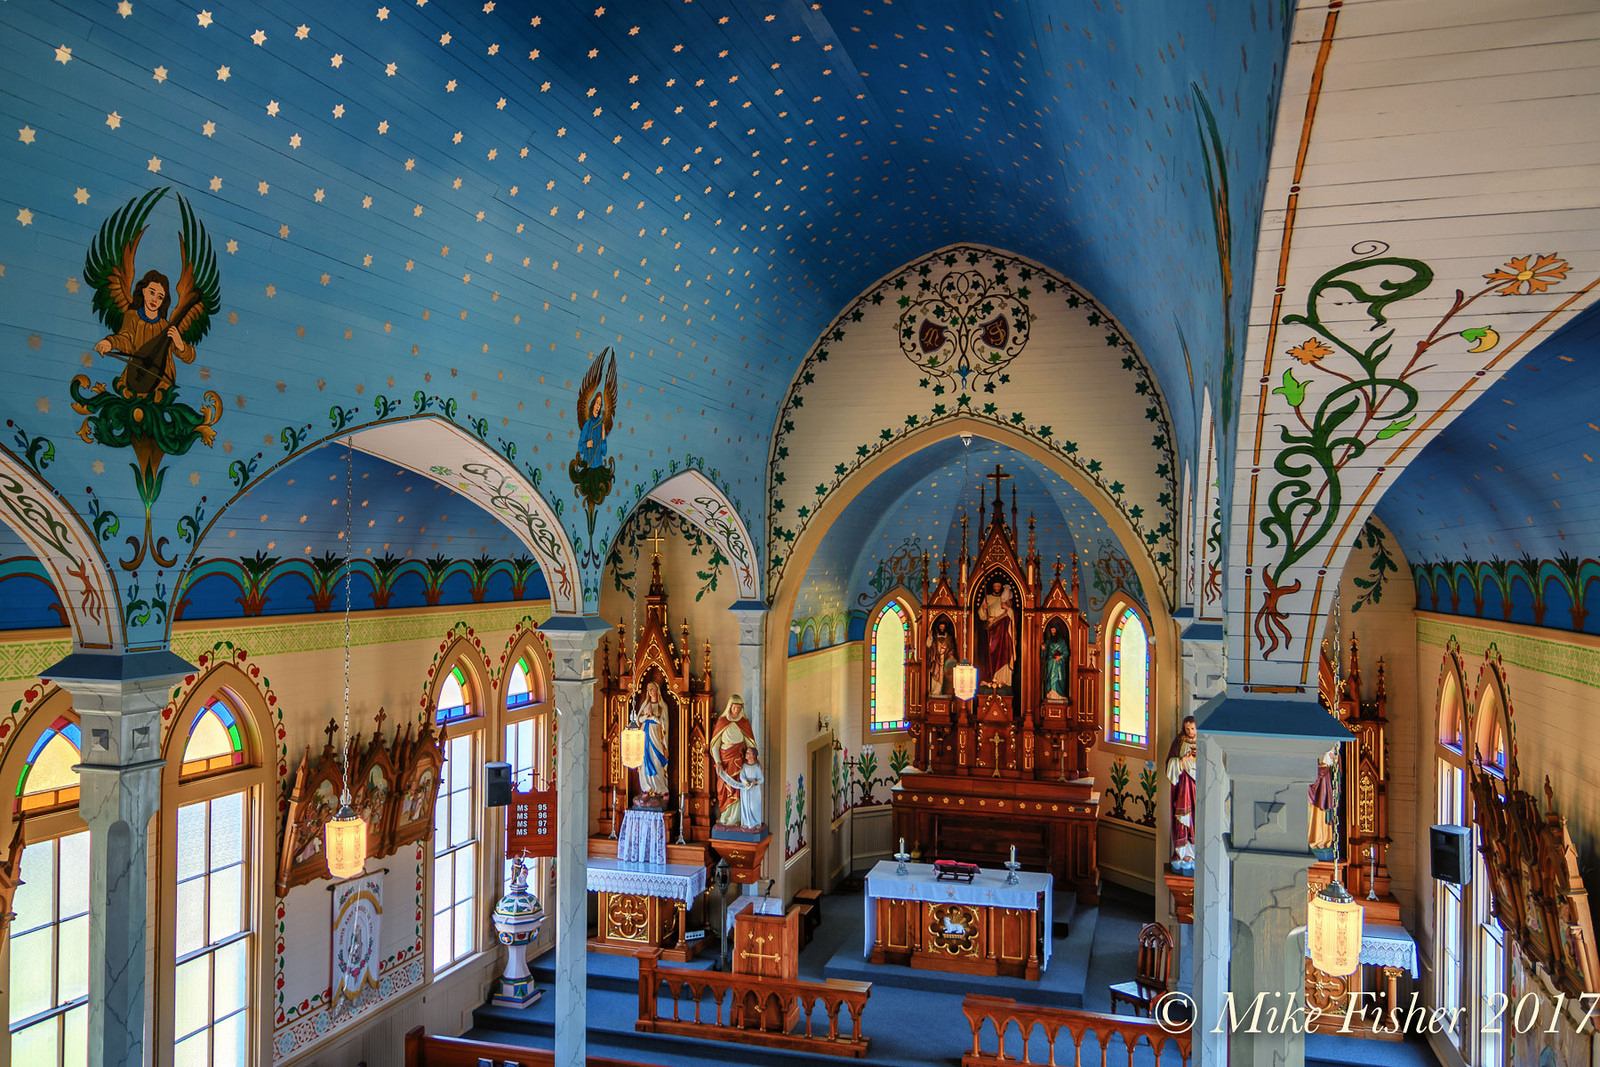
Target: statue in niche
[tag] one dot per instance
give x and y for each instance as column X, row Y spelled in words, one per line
column 751, row 814
column 654, row 781
column 997, row 616
column 1054, row 673
column 730, row 737
column 1321, row 804
column 941, row 664
column 1181, row 758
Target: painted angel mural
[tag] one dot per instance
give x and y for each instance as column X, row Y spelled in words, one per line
column 153, row 324
column 592, row 473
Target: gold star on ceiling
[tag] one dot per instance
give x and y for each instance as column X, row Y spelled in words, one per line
column 318, row 195
column 302, row 32
column 444, row 38
column 81, row 196
column 114, row 120
column 63, row 54
column 25, row 217
column 259, row 37
column 25, row 135
column 383, row 13
column 124, row 8
column 366, row 202
column 154, row 166
column 208, row 128
column 383, row 127
column 294, row 140
column 283, row 231
column 216, row 183
column 72, row 285
column 160, row 74
column 223, row 74
column 233, row 247
column 338, row 111
column 272, row 108
column 337, row 60
column 390, row 68
column 262, row 187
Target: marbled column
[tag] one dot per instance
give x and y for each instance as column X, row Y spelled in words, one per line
column 1213, row 905
column 752, row 616
column 1205, row 663
column 573, row 640
column 118, row 700
column 1269, row 751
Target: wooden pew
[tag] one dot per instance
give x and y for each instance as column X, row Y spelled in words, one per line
column 425, row 1051
column 749, row 1009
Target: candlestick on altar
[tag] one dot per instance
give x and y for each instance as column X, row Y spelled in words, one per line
column 1372, row 879
column 1012, row 866
column 612, row 836
column 1013, row 853
column 683, row 808
column 902, row 856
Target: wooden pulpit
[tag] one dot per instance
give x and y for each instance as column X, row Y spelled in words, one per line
column 767, row 946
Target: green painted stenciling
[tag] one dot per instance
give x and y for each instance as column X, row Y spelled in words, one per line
column 25, row 661
column 1556, row 659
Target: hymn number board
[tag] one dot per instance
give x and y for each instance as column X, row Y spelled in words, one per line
column 531, row 824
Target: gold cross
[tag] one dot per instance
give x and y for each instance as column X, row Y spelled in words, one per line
column 655, row 540
column 997, row 477
column 760, row 943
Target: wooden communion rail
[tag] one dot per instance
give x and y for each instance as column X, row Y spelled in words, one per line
column 750, row 1009
column 1002, row 1013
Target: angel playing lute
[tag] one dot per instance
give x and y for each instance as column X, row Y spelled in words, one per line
column 141, row 409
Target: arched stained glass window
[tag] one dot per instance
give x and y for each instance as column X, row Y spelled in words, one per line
column 214, row 742
column 453, row 702
column 47, row 780
column 887, row 698
column 518, row 693
column 1130, row 681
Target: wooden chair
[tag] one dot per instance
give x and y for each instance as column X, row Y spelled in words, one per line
column 1154, row 973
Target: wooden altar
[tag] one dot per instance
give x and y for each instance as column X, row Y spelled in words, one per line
column 1360, row 833
column 1010, row 765
column 985, row 928
column 629, row 921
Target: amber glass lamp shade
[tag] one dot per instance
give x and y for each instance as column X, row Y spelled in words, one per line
column 965, row 677
column 346, row 840
column 633, row 747
column 1333, row 930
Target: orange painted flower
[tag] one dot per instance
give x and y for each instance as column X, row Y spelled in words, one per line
column 1311, row 351
column 1545, row 272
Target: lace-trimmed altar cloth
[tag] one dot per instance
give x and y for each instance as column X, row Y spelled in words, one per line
column 1386, row 946
column 988, row 889
column 673, row 881
column 643, row 838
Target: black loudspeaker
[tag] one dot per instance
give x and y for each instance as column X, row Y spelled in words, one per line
column 496, row 785
column 1452, row 853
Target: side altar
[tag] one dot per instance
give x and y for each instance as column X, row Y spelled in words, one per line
column 1014, row 755
column 687, row 773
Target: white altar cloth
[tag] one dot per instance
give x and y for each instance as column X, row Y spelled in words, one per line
column 1386, row 946
column 643, row 838
column 674, row 881
column 989, row 889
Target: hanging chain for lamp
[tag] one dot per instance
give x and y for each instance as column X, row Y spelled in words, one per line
column 346, row 832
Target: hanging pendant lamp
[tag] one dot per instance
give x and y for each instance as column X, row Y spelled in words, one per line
column 1334, row 917
column 345, row 835
column 964, row 676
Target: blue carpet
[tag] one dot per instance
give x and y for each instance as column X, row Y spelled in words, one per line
column 907, row 1025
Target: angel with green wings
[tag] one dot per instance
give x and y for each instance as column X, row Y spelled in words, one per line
column 141, row 408
column 591, row 472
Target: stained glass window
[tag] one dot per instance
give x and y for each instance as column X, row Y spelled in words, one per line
column 518, row 694
column 50, row 954
column 455, row 855
column 213, row 989
column 1130, row 681
column 453, row 703
column 887, row 698
column 215, row 743
column 48, row 780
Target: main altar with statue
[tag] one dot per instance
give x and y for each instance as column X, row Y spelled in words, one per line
column 1013, row 751
column 680, row 785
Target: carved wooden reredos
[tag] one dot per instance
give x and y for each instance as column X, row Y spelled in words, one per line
column 1363, row 822
column 1024, row 732
column 654, row 656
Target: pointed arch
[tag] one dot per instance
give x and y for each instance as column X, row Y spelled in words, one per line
column 1129, row 655
column 527, row 653
column 891, row 648
column 692, row 494
column 436, row 449
column 69, row 552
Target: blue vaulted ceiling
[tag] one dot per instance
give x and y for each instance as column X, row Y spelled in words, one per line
column 465, row 205
column 915, row 507
column 1500, row 514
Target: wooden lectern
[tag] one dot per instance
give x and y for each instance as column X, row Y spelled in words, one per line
column 768, row 946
